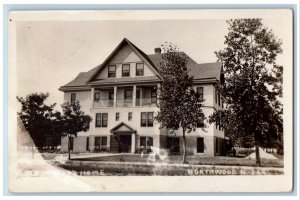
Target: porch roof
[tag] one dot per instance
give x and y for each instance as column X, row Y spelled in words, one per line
column 121, row 128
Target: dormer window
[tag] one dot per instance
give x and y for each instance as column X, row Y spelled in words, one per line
column 111, row 71
column 139, row 69
column 125, row 70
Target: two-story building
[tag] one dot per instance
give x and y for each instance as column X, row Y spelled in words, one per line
column 121, row 94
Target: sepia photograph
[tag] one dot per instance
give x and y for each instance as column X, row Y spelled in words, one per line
column 148, row 100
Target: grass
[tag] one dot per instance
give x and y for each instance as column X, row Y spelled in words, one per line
column 228, row 161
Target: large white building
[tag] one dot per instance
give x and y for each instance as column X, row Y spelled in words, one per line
column 120, row 95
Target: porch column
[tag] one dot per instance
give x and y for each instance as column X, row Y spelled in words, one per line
column 132, row 143
column 92, row 97
column 134, row 96
column 115, row 96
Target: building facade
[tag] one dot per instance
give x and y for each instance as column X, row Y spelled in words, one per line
column 121, row 94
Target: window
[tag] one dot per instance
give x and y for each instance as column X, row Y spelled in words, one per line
column 97, row 96
column 139, row 69
column 200, row 145
column 111, row 71
column 146, row 142
column 216, row 95
column 150, row 118
column 111, row 95
column 200, row 124
column 100, row 143
column 219, row 99
column 217, row 145
column 87, row 143
column 125, row 70
column 153, row 96
column 147, row 119
column 128, row 94
column 129, row 116
column 101, row 119
column 117, row 116
column 71, row 143
column 200, row 92
column 73, row 97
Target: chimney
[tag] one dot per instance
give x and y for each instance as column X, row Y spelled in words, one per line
column 157, row 50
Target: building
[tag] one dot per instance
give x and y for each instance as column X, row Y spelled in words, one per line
column 120, row 95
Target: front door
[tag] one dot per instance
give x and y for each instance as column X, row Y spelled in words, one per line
column 125, row 143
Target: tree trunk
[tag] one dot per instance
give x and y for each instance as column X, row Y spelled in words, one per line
column 184, row 148
column 69, row 147
column 258, row 162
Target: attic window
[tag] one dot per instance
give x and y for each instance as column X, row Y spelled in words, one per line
column 111, row 71
column 140, row 69
column 126, row 70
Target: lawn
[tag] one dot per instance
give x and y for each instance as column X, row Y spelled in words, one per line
column 219, row 160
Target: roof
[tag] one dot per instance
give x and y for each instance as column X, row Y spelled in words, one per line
column 124, row 80
column 122, row 124
column 199, row 71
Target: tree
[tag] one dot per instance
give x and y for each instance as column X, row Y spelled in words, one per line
column 37, row 117
column 252, row 87
column 179, row 104
column 73, row 121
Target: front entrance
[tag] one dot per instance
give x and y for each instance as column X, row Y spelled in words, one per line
column 120, row 144
column 122, row 139
column 125, row 143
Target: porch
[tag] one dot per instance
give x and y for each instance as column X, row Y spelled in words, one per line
column 125, row 96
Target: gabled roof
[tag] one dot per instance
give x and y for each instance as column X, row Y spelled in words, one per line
column 199, row 71
column 122, row 124
column 205, row 71
column 140, row 53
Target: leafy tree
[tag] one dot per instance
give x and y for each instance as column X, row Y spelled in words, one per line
column 252, row 87
column 73, row 121
column 180, row 106
column 37, row 117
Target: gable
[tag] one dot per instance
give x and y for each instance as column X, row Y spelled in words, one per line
column 125, row 55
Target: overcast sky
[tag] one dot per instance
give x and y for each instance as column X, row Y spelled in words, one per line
column 52, row 53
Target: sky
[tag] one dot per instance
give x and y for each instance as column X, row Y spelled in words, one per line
column 52, row 53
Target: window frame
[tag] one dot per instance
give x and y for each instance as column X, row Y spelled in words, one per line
column 137, row 70
column 153, row 98
column 111, row 74
column 200, row 149
column 127, row 90
column 146, row 121
column 101, row 120
column 73, row 97
column 117, row 116
column 200, row 91
column 127, row 71
column 129, row 116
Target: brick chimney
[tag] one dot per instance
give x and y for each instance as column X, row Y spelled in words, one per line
column 157, row 50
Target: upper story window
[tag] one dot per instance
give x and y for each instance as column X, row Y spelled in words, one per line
column 147, row 119
column 139, row 69
column 125, row 70
column 101, row 119
column 73, row 97
column 129, row 116
column 153, row 96
column 200, row 92
column 128, row 94
column 97, row 96
column 111, row 71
